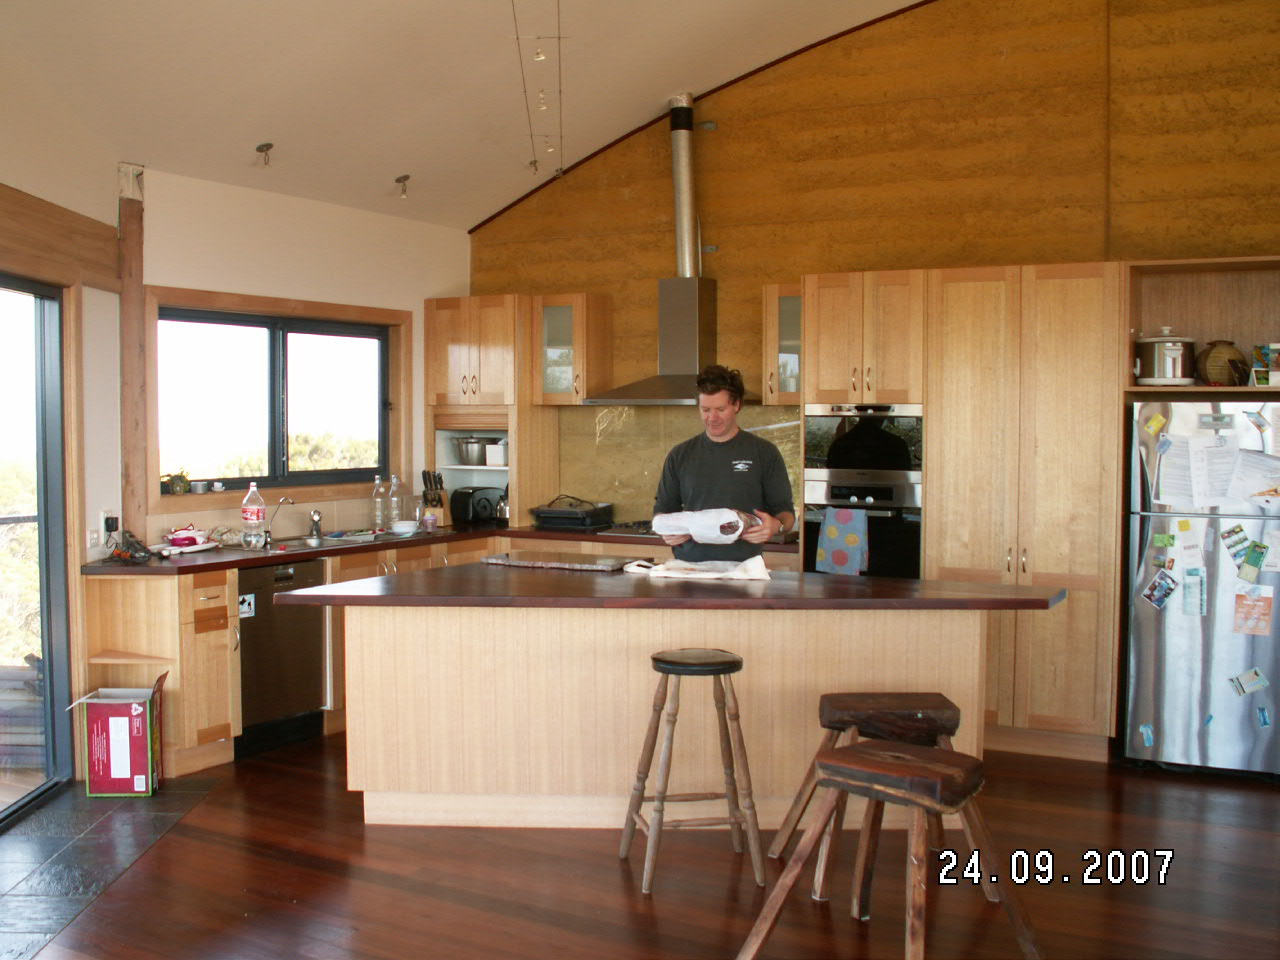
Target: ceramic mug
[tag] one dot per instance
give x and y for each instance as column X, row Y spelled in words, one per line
column 218, row 486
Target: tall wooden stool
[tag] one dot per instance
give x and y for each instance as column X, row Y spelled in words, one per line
column 927, row 719
column 671, row 666
column 929, row 780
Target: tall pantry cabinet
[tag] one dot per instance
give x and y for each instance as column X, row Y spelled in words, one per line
column 1023, row 474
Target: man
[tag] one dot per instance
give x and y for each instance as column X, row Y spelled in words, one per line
column 725, row 466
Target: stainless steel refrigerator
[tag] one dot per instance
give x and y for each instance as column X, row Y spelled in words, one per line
column 1204, row 585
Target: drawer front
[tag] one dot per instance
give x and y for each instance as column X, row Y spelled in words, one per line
column 210, row 597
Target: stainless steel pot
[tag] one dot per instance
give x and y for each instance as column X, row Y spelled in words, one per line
column 1165, row 361
column 471, row 450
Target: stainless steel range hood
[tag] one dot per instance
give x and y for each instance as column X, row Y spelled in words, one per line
column 686, row 302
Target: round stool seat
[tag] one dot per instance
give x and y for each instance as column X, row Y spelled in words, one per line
column 929, row 777
column 696, row 662
column 919, row 718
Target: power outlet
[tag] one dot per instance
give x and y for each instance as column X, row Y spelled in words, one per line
column 95, row 539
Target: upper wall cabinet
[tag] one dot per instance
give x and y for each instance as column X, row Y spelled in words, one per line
column 470, row 348
column 864, row 337
column 782, row 330
column 571, row 347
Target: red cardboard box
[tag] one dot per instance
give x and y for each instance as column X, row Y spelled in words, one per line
column 122, row 740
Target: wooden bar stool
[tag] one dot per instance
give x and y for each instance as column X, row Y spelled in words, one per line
column 671, row 665
column 927, row 719
column 929, row 780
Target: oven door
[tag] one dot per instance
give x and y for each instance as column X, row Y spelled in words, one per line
column 892, row 503
column 882, row 438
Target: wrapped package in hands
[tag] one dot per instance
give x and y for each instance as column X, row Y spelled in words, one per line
column 721, row 525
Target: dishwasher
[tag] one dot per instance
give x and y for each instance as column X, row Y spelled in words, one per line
column 282, row 658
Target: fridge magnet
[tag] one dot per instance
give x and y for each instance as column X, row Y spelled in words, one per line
column 1251, row 681
column 1237, row 542
column 1164, row 540
column 1258, row 420
column 1264, row 718
column 1254, row 557
column 1195, row 595
column 1253, row 610
column 1272, row 563
column 1163, row 444
column 1208, row 720
column 1159, row 589
column 1148, row 735
column 1153, row 425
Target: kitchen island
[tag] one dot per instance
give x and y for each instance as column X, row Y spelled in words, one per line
column 502, row 696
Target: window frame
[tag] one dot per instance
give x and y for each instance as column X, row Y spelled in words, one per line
column 278, row 329
column 140, row 403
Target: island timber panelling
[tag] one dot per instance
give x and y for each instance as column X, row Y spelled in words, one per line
column 958, row 133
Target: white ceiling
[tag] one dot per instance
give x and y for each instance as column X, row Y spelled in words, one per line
column 354, row 93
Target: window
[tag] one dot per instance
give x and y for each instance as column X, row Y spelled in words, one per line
column 271, row 399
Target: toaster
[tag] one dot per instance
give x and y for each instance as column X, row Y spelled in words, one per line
column 474, row 504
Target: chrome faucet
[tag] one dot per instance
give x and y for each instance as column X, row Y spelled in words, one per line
column 315, row 523
column 283, row 500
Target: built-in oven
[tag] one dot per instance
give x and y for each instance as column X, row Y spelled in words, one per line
column 863, row 490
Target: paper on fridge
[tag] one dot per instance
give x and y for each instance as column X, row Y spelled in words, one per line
column 1256, row 476
column 705, row 526
column 1198, row 471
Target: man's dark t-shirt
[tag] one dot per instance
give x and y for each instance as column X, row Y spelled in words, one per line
column 745, row 473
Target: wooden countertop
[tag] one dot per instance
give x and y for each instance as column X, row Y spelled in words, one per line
column 224, row 558
column 488, row 585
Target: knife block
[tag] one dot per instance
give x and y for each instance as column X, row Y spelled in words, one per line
column 441, row 514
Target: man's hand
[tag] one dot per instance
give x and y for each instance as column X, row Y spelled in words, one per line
column 762, row 531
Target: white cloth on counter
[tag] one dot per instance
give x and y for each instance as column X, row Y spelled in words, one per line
column 750, row 569
column 721, row 525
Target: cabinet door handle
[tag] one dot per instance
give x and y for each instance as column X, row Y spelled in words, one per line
column 206, row 599
column 445, row 558
column 475, row 384
column 577, row 384
column 464, row 384
column 1024, row 560
column 770, row 383
column 866, row 379
column 395, row 567
column 1008, row 561
column 853, row 379
column 237, row 646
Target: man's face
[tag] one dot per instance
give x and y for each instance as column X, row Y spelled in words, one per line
column 719, row 414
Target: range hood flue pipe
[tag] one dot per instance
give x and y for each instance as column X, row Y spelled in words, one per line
column 687, row 259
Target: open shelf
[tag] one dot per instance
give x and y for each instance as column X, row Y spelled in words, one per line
column 124, row 657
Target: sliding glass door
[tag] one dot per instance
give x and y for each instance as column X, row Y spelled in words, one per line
column 35, row 748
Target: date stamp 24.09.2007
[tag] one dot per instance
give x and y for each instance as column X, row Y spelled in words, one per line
column 1094, row 867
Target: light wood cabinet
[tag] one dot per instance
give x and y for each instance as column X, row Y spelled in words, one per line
column 864, row 337
column 470, row 348
column 782, row 311
column 571, row 348
column 140, row 626
column 1023, row 473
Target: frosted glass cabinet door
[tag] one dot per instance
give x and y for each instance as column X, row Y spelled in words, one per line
column 571, row 343
column 782, row 333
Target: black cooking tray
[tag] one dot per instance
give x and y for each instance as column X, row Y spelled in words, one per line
column 572, row 513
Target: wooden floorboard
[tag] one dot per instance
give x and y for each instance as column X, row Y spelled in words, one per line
column 277, row 863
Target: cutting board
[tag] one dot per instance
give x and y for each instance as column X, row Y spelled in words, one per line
column 558, row 561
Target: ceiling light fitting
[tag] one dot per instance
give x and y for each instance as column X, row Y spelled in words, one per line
column 541, row 102
column 403, row 180
column 265, row 149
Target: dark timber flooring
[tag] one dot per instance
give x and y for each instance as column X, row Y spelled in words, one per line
column 275, row 862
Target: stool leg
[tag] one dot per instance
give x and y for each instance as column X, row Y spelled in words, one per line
column 642, row 771
column 976, row 829
column 768, row 915
column 803, row 795
column 827, row 849
column 864, row 865
column 743, row 770
column 660, row 794
column 988, row 887
column 917, row 881
column 730, row 779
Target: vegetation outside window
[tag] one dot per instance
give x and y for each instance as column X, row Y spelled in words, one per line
column 271, row 399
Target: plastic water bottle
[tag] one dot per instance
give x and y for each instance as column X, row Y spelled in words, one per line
column 379, row 504
column 253, row 520
column 395, row 501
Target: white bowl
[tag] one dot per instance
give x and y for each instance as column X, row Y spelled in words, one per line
column 404, row 526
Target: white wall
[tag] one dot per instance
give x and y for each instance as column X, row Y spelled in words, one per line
column 100, row 337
